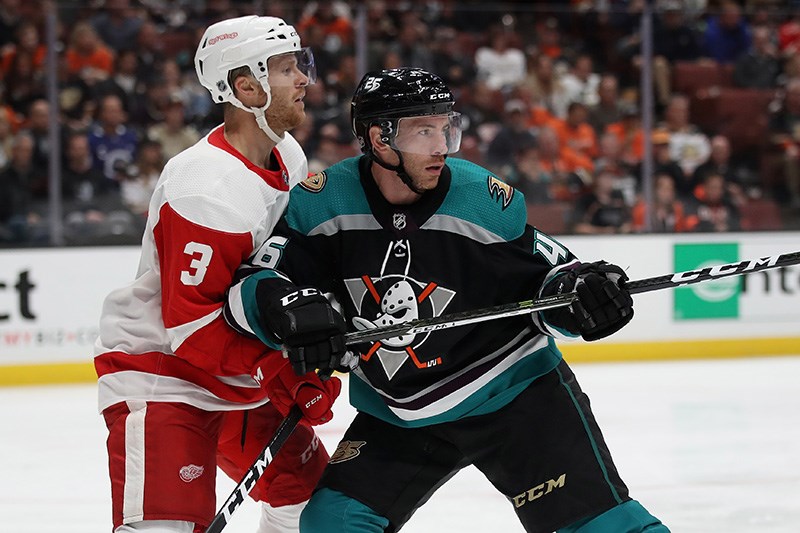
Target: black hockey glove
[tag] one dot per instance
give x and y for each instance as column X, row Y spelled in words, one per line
column 310, row 329
column 604, row 304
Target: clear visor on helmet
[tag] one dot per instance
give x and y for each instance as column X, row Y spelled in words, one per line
column 285, row 69
column 428, row 134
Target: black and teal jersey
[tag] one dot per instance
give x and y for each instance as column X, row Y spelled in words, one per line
column 463, row 246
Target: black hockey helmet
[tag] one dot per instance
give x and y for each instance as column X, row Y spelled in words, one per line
column 383, row 97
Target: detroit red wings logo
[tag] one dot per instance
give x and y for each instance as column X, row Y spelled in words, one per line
column 189, row 473
column 500, row 191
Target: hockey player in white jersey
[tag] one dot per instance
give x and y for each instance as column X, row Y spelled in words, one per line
column 176, row 383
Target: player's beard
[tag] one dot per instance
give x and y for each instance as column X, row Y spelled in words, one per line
column 282, row 117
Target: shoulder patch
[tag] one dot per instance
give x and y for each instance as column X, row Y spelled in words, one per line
column 499, row 190
column 315, row 182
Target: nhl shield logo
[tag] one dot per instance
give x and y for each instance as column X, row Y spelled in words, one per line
column 399, row 220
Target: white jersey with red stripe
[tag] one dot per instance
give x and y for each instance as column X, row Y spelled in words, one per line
column 163, row 337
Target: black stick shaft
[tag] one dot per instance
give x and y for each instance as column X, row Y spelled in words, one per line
column 255, row 471
column 668, row 281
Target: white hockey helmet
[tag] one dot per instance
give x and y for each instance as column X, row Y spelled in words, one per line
column 247, row 42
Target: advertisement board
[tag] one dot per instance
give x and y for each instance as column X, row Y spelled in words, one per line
column 51, row 299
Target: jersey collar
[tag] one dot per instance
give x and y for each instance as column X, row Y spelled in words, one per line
column 277, row 179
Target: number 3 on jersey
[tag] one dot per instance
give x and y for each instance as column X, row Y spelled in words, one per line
column 201, row 257
column 550, row 248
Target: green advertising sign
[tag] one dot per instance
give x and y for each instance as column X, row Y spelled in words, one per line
column 710, row 299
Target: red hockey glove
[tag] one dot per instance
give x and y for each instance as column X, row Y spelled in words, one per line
column 314, row 396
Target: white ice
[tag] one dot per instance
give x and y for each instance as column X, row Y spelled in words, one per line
column 707, row 446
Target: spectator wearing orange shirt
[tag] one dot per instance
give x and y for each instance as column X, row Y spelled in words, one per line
column 715, row 211
column 86, row 56
column 333, row 18
column 669, row 213
column 630, row 134
column 27, row 42
column 575, row 132
column 568, row 171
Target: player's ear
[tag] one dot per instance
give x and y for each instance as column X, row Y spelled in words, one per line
column 375, row 139
column 246, row 88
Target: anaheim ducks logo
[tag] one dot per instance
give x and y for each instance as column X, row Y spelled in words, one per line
column 500, row 190
column 390, row 298
column 315, row 182
column 347, row 450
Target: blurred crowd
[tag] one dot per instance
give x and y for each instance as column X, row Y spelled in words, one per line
column 549, row 92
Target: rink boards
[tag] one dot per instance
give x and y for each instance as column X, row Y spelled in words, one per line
column 50, row 301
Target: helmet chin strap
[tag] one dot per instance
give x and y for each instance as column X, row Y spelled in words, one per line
column 260, row 114
column 399, row 169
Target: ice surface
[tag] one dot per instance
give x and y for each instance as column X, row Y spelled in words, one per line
column 707, row 446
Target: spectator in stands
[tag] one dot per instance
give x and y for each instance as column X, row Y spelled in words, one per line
column 568, row 172
column 664, row 163
column 528, row 177
column 575, row 132
column 727, row 35
column 611, row 160
column 688, row 145
column 668, row 213
column 9, row 20
column 334, row 19
column 513, row 134
column 581, row 82
column 482, row 112
column 24, row 83
column 88, row 199
column 630, row 134
column 20, row 217
column 675, row 38
column 110, row 139
column 719, row 162
column 451, row 60
column 548, row 40
column 607, row 109
column 124, row 81
column 28, row 42
column 410, row 47
column 603, row 209
column 88, row 59
column 501, row 63
column 117, row 24
column 138, row 180
column 343, row 79
column 758, row 68
column 173, row 135
column 328, row 150
column 789, row 35
column 38, row 126
column 715, row 212
column 149, row 50
column 785, row 136
column 82, row 182
column 543, row 84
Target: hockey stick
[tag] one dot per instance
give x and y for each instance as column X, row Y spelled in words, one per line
column 256, row 470
column 668, row 281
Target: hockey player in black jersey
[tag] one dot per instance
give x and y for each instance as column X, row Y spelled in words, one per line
column 405, row 232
